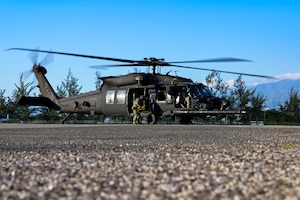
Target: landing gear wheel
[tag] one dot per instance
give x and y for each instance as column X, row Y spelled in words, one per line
column 151, row 119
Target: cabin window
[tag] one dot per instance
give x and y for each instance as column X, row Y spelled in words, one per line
column 110, row 97
column 121, row 96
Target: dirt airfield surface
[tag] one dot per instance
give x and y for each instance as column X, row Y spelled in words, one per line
column 149, row 162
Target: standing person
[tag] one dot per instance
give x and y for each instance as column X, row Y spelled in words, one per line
column 185, row 97
column 135, row 108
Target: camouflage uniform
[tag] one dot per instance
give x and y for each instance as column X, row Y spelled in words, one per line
column 135, row 109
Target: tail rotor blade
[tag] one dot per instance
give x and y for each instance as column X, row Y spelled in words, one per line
column 34, row 55
column 27, row 74
column 48, row 59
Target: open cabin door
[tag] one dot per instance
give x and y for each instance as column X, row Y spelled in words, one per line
column 134, row 93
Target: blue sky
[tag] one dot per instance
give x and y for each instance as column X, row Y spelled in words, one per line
column 267, row 32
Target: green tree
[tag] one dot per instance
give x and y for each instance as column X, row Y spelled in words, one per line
column 217, row 85
column 291, row 108
column 69, row 87
column 272, row 116
column 98, row 81
column 24, row 89
column 3, row 104
column 7, row 106
column 240, row 98
column 257, row 105
column 210, row 80
column 48, row 114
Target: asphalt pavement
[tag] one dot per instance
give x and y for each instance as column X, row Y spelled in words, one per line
column 149, row 162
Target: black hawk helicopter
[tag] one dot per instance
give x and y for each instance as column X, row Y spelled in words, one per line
column 162, row 95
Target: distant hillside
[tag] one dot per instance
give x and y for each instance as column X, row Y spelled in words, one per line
column 277, row 92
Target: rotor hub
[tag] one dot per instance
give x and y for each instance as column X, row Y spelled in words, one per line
column 40, row 69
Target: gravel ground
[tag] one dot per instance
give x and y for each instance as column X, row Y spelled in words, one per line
column 149, row 162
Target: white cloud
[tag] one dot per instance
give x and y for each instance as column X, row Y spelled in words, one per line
column 230, row 83
column 289, row 76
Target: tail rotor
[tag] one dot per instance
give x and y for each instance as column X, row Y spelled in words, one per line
column 34, row 57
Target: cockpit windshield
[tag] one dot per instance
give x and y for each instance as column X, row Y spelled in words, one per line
column 205, row 90
column 199, row 90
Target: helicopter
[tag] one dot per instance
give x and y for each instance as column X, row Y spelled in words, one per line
column 160, row 95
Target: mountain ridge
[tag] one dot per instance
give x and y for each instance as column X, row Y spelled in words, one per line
column 277, row 92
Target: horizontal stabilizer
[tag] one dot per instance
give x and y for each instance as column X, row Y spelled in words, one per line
column 38, row 101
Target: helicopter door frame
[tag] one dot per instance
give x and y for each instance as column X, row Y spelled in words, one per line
column 134, row 93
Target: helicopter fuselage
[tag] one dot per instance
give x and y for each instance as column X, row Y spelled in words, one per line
column 163, row 96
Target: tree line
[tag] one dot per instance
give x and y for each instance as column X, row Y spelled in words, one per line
column 240, row 96
column 243, row 98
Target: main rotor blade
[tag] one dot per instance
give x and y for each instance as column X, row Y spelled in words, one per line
column 141, row 62
column 120, row 65
column 78, row 55
column 228, row 72
column 215, row 60
column 111, row 66
column 155, row 63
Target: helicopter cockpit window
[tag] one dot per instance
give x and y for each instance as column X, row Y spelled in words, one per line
column 205, row 90
column 110, row 97
column 194, row 91
column 197, row 91
column 121, row 96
